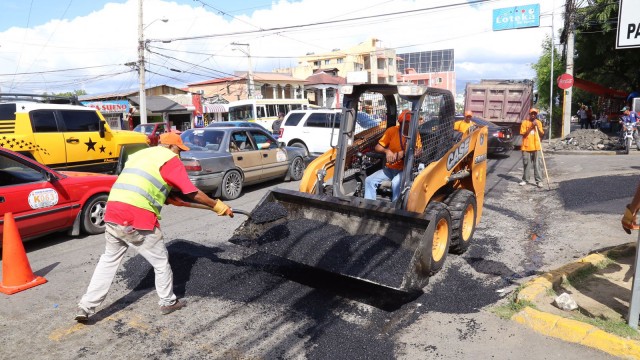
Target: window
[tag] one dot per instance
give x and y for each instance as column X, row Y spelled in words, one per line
column 242, row 112
column 339, row 60
column 316, row 63
column 327, row 61
column 261, row 139
column 294, row 119
column 43, row 121
column 390, row 62
column 240, row 142
column 13, row 172
column 272, row 110
column 7, row 111
column 260, row 111
column 317, row 120
column 76, row 121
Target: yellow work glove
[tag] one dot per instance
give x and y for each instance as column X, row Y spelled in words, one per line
column 629, row 221
column 222, row 209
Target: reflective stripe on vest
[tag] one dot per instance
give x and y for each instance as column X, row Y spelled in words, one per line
column 140, row 183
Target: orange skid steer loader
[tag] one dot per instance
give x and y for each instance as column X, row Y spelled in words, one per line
column 399, row 244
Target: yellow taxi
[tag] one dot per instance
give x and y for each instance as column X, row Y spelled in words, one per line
column 64, row 135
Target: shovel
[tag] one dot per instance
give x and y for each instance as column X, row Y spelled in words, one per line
column 177, row 201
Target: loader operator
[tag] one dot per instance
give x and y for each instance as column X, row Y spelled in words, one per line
column 131, row 217
column 464, row 125
column 392, row 144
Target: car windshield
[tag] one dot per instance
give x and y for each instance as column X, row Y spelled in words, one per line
column 144, row 128
column 201, row 139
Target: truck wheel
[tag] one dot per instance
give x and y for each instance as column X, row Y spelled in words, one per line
column 439, row 235
column 463, row 209
column 301, row 146
column 93, row 214
column 296, row 169
column 231, row 185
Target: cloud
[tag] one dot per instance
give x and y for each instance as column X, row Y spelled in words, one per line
column 104, row 40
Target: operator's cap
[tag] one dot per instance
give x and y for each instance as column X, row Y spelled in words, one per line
column 625, row 108
column 405, row 115
column 172, row 138
column 533, row 110
column 468, row 113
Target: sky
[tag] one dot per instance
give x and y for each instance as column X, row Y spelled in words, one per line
column 57, row 46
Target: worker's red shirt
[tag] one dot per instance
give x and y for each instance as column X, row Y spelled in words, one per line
column 174, row 173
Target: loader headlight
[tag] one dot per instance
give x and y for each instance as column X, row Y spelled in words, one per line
column 410, row 89
column 346, row 89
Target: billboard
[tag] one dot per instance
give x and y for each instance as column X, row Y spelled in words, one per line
column 516, row 17
column 628, row 35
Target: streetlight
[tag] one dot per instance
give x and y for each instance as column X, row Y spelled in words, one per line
column 250, row 74
column 141, row 48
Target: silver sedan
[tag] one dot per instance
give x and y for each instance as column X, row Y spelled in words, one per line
column 223, row 160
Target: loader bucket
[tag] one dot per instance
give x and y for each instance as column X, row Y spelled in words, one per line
column 350, row 237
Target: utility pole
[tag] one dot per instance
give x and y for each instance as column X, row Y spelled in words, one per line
column 143, row 94
column 566, row 104
column 551, row 81
column 250, row 73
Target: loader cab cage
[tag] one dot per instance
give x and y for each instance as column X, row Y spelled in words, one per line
column 40, row 98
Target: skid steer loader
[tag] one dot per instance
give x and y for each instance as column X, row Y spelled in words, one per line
column 399, row 244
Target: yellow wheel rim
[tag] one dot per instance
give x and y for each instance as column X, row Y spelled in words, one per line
column 440, row 238
column 468, row 220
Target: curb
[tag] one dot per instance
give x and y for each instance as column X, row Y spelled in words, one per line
column 568, row 329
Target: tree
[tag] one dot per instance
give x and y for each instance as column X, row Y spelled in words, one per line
column 71, row 93
column 543, row 79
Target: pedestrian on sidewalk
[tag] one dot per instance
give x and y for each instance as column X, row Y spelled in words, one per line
column 275, row 127
column 132, row 220
column 531, row 131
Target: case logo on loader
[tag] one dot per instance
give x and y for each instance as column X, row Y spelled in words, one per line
column 457, row 154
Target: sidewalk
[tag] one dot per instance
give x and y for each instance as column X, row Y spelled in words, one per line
column 601, row 286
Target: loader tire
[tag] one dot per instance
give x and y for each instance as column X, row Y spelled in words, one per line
column 463, row 208
column 439, row 235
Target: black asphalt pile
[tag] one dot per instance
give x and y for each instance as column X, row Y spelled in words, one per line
column 587, row 139
column 267, row 212
column 318, row 244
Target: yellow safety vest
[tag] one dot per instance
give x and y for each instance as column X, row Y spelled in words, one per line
column 140, row 183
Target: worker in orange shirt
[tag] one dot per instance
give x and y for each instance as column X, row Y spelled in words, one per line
column 464, row 125
column 531, row 131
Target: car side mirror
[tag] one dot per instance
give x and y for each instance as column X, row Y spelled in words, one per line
column 47, row 176
column 101, row 128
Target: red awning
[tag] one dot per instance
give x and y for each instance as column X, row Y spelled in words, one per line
column 598, row 89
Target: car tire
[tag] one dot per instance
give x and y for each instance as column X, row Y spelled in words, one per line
column 92, row 217
column 301, row 146
column 231, row 185
column 296, row 169
column 464, row 213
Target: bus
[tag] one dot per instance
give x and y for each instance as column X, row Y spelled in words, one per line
column 264, row 111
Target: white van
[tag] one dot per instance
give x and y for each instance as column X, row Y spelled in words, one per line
column 312, row 130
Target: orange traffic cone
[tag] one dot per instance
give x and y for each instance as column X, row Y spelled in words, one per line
column 16, row 271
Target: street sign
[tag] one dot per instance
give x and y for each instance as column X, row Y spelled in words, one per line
column 516, row 17
column 565, row 81
column 628, row 35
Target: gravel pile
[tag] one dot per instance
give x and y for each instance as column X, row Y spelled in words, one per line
column 587, row 139
column 329, row 247
column 267, row 212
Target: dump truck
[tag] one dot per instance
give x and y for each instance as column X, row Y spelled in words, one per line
column 328, row 225
column 503, row 102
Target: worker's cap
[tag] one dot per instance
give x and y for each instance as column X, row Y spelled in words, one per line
column 468, row 113
column 533, row 111
column 405, row 115
column 172, row 138
column 625, row 108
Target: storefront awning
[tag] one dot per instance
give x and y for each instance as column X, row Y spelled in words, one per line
column 215, row 108
column 159, row 104
column 598, row 89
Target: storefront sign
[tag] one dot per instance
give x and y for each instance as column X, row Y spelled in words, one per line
column 516, row 17
column 109, row 106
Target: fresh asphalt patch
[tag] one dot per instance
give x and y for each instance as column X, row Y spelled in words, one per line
column 597, row 195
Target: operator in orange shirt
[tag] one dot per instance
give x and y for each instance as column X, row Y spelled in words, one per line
column 464, row 125
column 393, row 144
column 531, row 131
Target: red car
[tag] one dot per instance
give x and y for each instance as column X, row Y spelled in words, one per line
column 43, row 200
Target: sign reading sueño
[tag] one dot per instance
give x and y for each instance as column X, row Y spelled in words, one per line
column 565, row 81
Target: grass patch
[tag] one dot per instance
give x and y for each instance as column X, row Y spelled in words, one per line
column 581, row 275
column 612, row 326
column 512, row 306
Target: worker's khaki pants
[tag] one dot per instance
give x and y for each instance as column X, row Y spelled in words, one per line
column 530, row 158
column 149, row 244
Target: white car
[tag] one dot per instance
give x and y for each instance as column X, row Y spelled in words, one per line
column 312, row 130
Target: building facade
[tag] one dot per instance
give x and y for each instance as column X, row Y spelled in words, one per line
column 431, row 68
